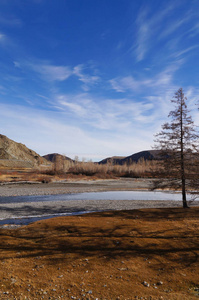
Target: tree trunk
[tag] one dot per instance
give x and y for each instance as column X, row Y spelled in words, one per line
column 184, row 198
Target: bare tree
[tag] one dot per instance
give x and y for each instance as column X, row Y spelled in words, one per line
column 178, row 145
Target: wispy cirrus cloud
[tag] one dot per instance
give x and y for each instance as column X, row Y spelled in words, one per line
column 52, row 72
column 67, row 102
column 153, row 29
column 126, row 83
column 162, row 79
column 142, row 36
column 186, row 50
column 87, row 79
column 175, row 25
column 48, row 132
column 103, row 113
column 147, row 28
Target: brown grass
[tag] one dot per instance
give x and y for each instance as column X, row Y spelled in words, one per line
column 103, row 256
column 80, row 170
column 68, row 170
column 140, row 169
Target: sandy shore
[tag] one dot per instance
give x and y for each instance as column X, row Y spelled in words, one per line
column 51, row 208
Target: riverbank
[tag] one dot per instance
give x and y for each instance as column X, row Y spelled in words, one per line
column 24, row 213
column 137, row 254
column 16, row 209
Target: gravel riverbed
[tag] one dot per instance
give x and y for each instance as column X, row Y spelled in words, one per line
column 68, row 187
column 50, row 208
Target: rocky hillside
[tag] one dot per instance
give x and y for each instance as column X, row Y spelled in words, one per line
column 145, row 155
column 13, row 154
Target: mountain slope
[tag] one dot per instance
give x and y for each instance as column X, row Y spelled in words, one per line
column 145, row 155
column 55, row 156
column 16, row 154
column 114, row 160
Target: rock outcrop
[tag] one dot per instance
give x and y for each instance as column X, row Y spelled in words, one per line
column 13, row 154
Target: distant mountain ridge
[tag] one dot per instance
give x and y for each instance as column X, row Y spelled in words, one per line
column 145, row 155
column 13, row 154
column 114, row 160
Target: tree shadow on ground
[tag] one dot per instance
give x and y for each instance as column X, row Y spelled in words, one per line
column 137, row 233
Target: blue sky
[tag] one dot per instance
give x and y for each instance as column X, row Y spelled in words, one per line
column 94, row 78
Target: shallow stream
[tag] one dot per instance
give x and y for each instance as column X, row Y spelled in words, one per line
column 21, row 210
column 114, row 195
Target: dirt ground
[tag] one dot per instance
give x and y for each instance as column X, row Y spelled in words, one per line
column 138, row 254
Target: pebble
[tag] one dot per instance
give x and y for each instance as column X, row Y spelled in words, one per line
column 146, row 284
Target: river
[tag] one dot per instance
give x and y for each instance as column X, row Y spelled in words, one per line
column 26, row 209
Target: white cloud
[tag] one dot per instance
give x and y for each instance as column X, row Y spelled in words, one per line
column 162, row 79
column 175, row 25
column 180, row 53
column 151, row 28
column 48, row 132
column 52, row 72
column 125, row 83
column 88, row 80
column 143, row 33
column 88, row 126
column 147, row 28
column 106, row 114
column 74, row 107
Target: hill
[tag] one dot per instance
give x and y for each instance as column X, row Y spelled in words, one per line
column 53, row 157
column 114, row 160
column 143, row 155
column 17, row 155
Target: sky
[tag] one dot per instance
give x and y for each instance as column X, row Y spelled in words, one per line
column 94, row 78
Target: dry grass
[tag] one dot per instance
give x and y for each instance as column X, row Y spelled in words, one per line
column 61, row 170
column 103, row 256
column 140, row 169
column 67, row 170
